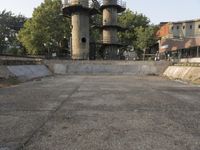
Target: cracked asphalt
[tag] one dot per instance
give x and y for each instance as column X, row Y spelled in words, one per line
column 100, row 113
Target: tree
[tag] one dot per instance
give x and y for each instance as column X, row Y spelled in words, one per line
column 145, row 37
column 139, row 34
column 132, row 19
column 10, row 24
column 96, row 23
column 46, row 30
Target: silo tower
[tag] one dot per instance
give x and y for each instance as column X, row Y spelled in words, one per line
column 79, row 11
column 110, row 9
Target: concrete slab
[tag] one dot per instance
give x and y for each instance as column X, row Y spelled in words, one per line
column 28, row 72
column 100, row 112
column 17, row 126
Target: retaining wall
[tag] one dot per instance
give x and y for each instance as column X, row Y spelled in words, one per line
column 28, row 72
column 24, row 72
column 190, row 74
column 190, row 60
column 4, row 72
column 107, row 67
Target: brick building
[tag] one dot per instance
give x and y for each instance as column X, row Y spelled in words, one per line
column 180, row 39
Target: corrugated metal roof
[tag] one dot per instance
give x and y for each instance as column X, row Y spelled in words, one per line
column 176, row 44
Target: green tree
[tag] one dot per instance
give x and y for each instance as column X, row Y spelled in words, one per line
column 145, row 37
column 10, row 25
column 131, row 21
column 46, row 30
column 139, row 34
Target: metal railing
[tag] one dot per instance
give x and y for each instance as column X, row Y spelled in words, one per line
column 84, row 3
column 111, row 41
column 83, row 56
column 90, row 3
column 75, row 2
column 121, row 3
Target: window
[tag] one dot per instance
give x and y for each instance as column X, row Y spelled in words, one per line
column 199, row 26
column 190, row 26
column 183, row 27
column 172, row 28
column 177, row 27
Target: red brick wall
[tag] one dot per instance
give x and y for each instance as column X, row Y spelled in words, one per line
column 163, row 31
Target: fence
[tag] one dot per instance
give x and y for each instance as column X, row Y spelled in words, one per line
column 90, row 3
column 84, row 3
column 121, row 3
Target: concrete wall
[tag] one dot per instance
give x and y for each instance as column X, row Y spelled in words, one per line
column 28, row 72
column 107, row 67
column 80, row 35
column 24, row 72
column 185, row 29
column 109, row 19
column 5, row 73
column 191, row 74
column 110, row 16
column 177, row 30
column 190, row 29
column 110, row 36
column 190, row 60
column 110, row 2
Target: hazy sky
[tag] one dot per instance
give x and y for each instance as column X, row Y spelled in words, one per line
column 156, row 10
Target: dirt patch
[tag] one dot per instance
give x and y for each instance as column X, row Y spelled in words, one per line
column 8, row 82
column 197, row 81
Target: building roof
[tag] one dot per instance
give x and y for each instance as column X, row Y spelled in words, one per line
column 176, row 44
column 179, row 22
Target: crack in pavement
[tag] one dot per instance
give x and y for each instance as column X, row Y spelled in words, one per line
column 22, row 146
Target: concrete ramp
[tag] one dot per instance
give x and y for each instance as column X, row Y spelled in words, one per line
column 190, row 74
column 107, row 67
column 28, row 72
column 4, row 72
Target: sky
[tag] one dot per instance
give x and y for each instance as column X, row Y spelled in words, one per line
column 156, row 10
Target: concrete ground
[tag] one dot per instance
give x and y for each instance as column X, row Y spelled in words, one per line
column 100, row 113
